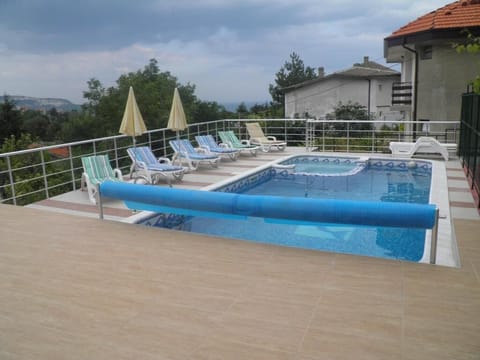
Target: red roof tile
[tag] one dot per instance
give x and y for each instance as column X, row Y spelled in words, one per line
column 459, row 14
column 61, row 152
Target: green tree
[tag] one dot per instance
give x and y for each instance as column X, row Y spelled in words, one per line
column 94, row 94
column 153, row 92
column 36, row 123
column 28, row 178
column 349, row 111
column 471, row 46
column 209, row 111
column 292, row 72
column 242, row 109
column 10, row 120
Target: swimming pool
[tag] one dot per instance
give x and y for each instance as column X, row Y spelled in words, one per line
column 346, row 178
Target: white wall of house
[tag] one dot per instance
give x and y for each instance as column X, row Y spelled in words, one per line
column 441, row 80
column 320, row 98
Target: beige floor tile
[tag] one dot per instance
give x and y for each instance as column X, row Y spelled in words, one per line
column 437, row 337
column 379, row 284
column 308, row 275
column 30, row 340
column 467, row 233
column 287, row 291
column 111, row 290
column 421, row 350
column 280, row 312
column 258, row 333
column 202, row 298
column 439, row 274
column 448, row 292
column 365, row 303
column 447, row 313
column 350, row 321
column 231, row 350
column 325, row 344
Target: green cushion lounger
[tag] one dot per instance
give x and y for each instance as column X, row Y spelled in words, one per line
column 228, row 137
column 96, row 170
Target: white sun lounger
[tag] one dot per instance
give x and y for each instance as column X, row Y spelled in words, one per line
column 423, row 144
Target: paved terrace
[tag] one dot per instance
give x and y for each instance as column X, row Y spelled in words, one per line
column 75, row 287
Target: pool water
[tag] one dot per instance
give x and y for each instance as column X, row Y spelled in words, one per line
column 325, row 168
column 392, row 183
column 384, row 242
column 368, row 185
column 324, row 165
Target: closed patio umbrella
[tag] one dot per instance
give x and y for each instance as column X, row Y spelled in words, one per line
column 132, row 122
column 177, row 120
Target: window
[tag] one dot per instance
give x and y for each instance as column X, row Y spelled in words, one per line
column 426, row 52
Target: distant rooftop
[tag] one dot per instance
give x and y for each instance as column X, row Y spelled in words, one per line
column 457, row 15
column 366, row 69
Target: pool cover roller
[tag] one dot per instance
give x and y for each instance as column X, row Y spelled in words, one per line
column 275, row 208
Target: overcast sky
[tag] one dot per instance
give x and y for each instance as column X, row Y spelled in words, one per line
column 230, row 49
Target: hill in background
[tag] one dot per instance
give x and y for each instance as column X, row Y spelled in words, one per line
column 232, row 106
column 41, row 104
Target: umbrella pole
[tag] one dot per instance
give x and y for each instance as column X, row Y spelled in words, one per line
column 134, row 165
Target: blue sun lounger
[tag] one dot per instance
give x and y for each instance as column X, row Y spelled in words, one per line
column 146, row 166
column 208, row 142
column 184, row 151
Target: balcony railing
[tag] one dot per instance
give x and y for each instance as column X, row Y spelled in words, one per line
column 35, row 174
column 402, row 93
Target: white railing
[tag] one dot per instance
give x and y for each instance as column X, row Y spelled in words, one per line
column 373, row 135
column 35, row 174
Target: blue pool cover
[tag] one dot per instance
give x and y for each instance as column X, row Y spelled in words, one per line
column 219, row 204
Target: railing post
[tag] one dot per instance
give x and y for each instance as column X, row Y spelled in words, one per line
column 99, row 202
column 433, row 243
column 44, row 172
column 116, row 152
column 373, row 139
column 307, row 138
column 323, row 136
column 348, row 137
column 12, row 185
column 72, row 170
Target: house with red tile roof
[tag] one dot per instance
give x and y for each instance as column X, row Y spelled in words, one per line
column 434, row 75
column 367, row 83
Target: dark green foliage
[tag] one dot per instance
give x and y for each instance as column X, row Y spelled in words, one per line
column 44, row 126
column 10, row 120
column 153, row 92
column 292, row 72
column 471, row 46
column 349, row 111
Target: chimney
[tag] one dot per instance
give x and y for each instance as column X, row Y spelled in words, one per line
column 321, row 72
column 365, row 60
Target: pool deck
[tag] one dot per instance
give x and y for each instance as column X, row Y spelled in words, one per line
column 75, row 287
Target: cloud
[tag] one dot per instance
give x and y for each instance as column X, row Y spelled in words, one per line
column 230, row 49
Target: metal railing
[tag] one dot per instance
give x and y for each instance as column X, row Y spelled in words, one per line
column 469, row 147
column 373, row 136
column 40, row 173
